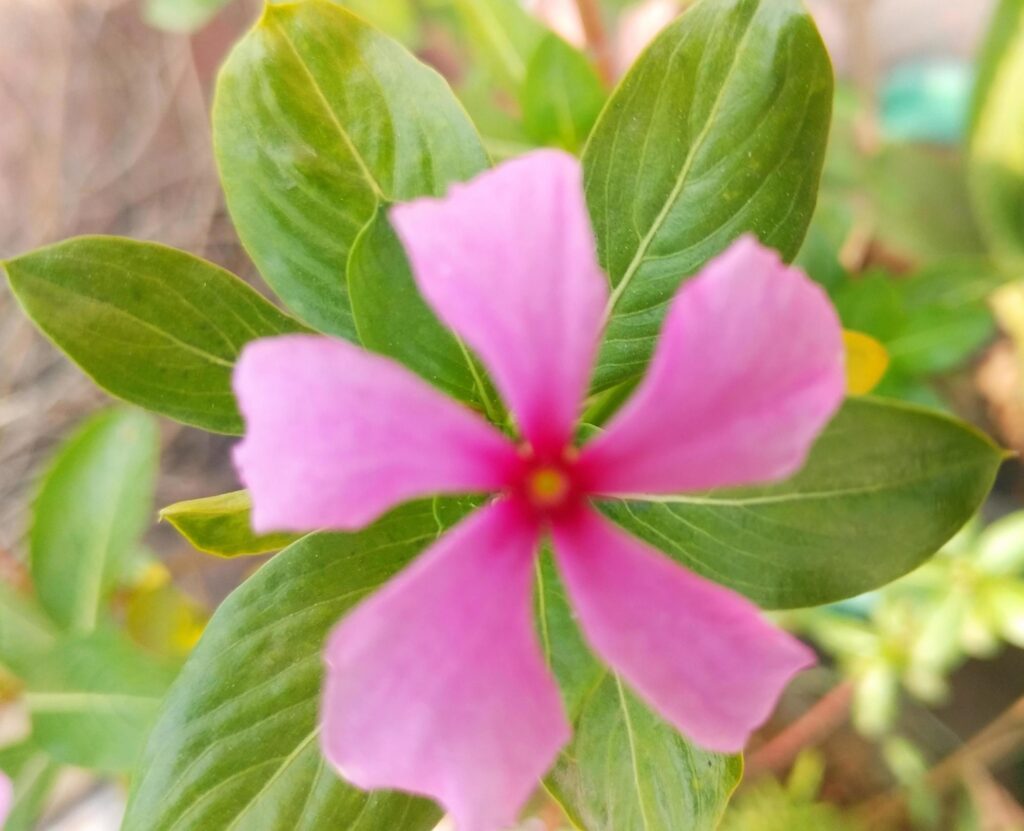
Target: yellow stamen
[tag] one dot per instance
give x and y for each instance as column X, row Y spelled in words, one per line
column 548, row 486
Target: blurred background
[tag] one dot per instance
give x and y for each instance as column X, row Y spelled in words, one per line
column 917, row 718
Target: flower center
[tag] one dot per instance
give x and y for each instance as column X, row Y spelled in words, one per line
column 547, row 487
column 547, row 482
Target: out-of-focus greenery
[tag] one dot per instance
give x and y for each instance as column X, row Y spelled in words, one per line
column 95, row 633
column 967, row 602
column 771, row 805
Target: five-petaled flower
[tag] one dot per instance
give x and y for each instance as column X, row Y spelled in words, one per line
column 436, row 684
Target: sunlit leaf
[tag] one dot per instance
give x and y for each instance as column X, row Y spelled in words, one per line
column 222, row 525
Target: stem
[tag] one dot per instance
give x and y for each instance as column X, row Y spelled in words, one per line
column 824, row 718
column 597, row 38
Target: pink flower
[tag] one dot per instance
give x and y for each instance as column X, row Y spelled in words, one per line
column 6, row 797
column 436, row 684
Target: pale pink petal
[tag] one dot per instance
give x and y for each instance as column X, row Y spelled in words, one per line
column 748, row 370
column 563, row 16
column 700, row 655
column 335, row 436
column 639, row 25
column 508, row 262
column 436, row 685
column 6, row 798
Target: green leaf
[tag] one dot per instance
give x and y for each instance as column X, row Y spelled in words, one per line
column 871, row 304
column 562, row 95
column 884, row 488
column 93, row 698
column 221, row 525
column 154, row 326
column 236, row 745
column 996, row 146
column 503, row 37
column 34, row 775
column 93, row 505
column 319, row 119
column 936, row 339
column 25, row 631
column 920, row 202
column 393, row 319
column 718, row 129
column 628, row 769
column 182, row 15
column 397, row 18
column 624, row 768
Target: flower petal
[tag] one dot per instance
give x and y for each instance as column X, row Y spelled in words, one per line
column 436, row 685
column 508, row 262
column 6, row 798
column 701, row 655
column 335, row 436
column 748, row 371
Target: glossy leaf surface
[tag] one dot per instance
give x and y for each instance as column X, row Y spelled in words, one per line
column 625, row 768
column 154, row 326
column 237, row 743
column 884, row 488
column 319, row 119
column 718, row 129
column 222, row 525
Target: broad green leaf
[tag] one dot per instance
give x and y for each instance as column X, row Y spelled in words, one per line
column 236, row 745
column 34, row 775
column 319, row 119
column 221, row 525
column 628, row 769
column 871, row 304
column 25, row 631
column 93, row 505
column 182, row 15
column 884, row 488
column 562, row 95
column 997, row 137
column 93, row 698
column 718, row 129
column 154, row 326
column 624, row 768
column 503, row 37
column 393, row 319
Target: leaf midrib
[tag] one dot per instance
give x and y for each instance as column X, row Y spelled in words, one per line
column 860, row 490
column 270, row 22
column 681, row 179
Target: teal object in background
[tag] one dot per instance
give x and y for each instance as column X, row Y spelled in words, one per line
column 927, row 101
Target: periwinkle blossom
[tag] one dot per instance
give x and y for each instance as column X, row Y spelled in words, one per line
column 436, row 684
column 6, row 797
